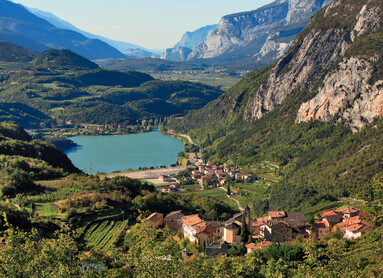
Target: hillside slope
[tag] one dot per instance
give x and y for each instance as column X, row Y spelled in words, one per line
column 10, row 52
column 303, row 112
column 14, row 141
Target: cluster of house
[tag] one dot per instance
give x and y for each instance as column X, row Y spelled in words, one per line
column 279, row 226
column 349, row 220
column 211, row 175
column 206, row 175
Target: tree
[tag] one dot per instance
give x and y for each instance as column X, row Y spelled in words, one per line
column 228, row 190
column 244, row 231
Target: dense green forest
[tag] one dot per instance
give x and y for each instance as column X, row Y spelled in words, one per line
column 65, row 86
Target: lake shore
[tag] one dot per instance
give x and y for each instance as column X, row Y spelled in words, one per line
column 150, row 175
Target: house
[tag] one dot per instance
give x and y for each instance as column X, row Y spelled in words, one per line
column 297, row 219
column 331, row 220
column 173, row 220
column 232, row 228
column 321, row 229
column 154, row 220
column 349, row 212
column 254, row 246
column 355, row 230
column 353, row 227
column 197, row 230
column 284, row 226
column 256, row 226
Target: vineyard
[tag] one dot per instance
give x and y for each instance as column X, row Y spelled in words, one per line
column 102, row 230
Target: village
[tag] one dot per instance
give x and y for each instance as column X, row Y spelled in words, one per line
column 278, row 226
column 206, row 175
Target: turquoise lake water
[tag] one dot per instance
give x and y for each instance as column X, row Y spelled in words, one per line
column 121, row 152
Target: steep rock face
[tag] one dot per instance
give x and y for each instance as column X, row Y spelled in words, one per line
column 269, row 31
column 321, row 63
column 189, row 41
column 346, row 93
column 177, row 54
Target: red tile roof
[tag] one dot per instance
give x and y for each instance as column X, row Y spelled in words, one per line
column 259, row 245
column 191, row 220
column 210, row 230
column 354, row 227
column 277, row 214
column 329, row 213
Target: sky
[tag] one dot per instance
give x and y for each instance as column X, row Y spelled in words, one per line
column 154, row 24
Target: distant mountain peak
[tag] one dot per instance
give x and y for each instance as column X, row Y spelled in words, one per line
column 22, row 27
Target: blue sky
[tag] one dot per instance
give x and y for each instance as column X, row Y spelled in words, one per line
column 154, row 24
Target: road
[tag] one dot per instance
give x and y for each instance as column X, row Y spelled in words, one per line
column 182, row 135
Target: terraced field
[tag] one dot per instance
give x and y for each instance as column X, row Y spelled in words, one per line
column 102, row 230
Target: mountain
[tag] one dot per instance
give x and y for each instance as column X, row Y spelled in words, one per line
column 22, row 114
column 21, row 27
column 63, row 60
column 10, row 52
column 16, row 142
column 257, row 38
column 188, row 42
column 316, row 113
column 59, row 84
column 133, row 50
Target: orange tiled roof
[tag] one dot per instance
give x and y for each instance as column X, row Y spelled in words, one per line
column 349, row 210
column 191, row 220
column 350, row 221
column 329, row 213
column 277, row 214
column 354, row 227
column 206, row 229
column 258, row 245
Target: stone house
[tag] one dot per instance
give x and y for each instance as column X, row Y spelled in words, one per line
column 154, row 220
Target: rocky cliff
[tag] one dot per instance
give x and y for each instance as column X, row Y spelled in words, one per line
column 188, row 42
column 261, row 36
column 332, row 67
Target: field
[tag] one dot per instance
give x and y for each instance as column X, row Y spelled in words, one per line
column 226, row 82
column 102, row 230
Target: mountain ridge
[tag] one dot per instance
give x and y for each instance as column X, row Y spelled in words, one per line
column 21, row 27
column 256, row 37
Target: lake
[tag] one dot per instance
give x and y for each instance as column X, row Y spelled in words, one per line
column 121, row 152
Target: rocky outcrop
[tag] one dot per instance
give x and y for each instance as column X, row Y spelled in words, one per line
column 189, row 41
column 326, row 63
column 347, row 95
column 176, row 54
column 265, row 33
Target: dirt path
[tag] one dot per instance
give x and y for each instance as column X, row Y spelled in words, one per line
column 235, row 200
